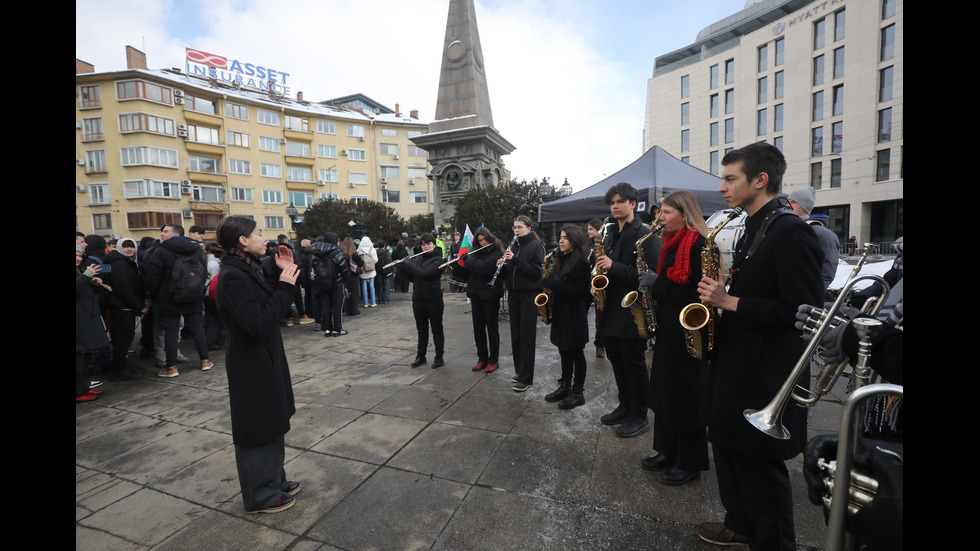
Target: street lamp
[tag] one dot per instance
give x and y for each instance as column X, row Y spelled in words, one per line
column 292, row 213
column 545, row 190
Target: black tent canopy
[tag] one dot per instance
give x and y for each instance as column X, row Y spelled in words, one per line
column 655, row 174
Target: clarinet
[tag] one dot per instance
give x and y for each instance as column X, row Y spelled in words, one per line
column 493, row 281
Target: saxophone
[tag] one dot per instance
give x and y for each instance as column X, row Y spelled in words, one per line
column 697, row 318
column 641, row 301
column 543, row 300
column 599, row 279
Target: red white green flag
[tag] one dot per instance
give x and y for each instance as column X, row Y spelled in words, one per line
column 466, row 244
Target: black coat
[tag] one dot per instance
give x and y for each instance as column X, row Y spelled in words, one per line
column 425, row 273
column 523, row 271
column 677, row 380
column 757, row 346
column 571, row 298
column 128, row 292
column 258, row 375
column 89, row 327
column 479, row 268
column 620, row 246
column 156, row 275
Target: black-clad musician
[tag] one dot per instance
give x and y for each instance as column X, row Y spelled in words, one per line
column 485, row 300
column 522, row 273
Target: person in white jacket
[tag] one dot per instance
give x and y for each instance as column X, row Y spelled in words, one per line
column 370, row 256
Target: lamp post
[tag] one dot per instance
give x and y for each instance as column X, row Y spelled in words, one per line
column 545, row 190
column 292, row 213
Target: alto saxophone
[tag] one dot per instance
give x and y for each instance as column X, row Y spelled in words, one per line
column 546, row 306
column 698, row 318
column 599, row 279
column 643, row 313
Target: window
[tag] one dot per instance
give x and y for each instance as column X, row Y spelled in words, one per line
column 777, row 118
column 713, row 134
column 301, row 199
column 818, row 70
column 297, row 123
column 326, row 151
column 777, row 142
column 270, row 170
column 199, row 105
column 329, row 197
column 839, row 62
column 89, row 96
column 837, row 131
column 839, row 20
column 777, row 90
column 417, row 172
column 885, row 78
column 763, row 89
column 416, row 197
column 241, row 194
column 729, row 101
column 818, row 106
column 389, row 132
column 835, row 173
column 208, row 194
column 763, row 56
column 329, row 175
column 389, row 149
column 135, row 189
column 271, row 196
column 413, row 133
column 780, row 51
column 146, row 155
column 713, row 76
column 816, row 139
column 713, row 109
column 92, row 129
column 326, row 127
column 138, row 89
column 685, row 113
column 356, row 155
column 268, row 117
column 102, row 222
column 761, row 120
column 358, row 199
column 816, row 175
column 145, row 122
column 389, row 196
column 207, row 220
column 713, row 162
column 95, row 161
column 685, row 141
column 209, row 165
column 885, row 125
column 235, row 111
column 729, row 130
column 415, row 151
column 685, row 86
column 355, row 131
column 390, row 171
column 238, row 166
column 151, row 220
column 357, row 178
column 203, row 134
column 838, row 99
column 275, row 223
column 269, row 144
column 298, row 149
column 299, row 173
column 888, row 42
column 888, row 8
column 98, row 194
column 237, row 138
column 883, row 169
column 819, row 30
column 730, row 71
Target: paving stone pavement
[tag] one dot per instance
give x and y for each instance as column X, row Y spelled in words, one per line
column 390, row 457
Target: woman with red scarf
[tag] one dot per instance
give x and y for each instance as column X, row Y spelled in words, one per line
column 677, row 380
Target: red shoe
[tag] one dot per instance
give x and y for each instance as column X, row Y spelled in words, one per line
column 491, row 368
column 94, row 392
column 85, row 398
column 479, row 366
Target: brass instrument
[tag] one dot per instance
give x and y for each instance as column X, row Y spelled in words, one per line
column 698, row 318
column 546, row 306
column 599, row 279
column 493, row 280
column 643, row 313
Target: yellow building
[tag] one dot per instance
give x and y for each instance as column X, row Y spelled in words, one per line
column 157, row 147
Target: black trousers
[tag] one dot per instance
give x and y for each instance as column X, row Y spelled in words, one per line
column 689, row 450
column 429, row 313
column 261, row 473
column 573, row 368
column 523, row 332
column 170, row 324
column 486, row 329
column 122, row 324
column 629, row 363
column 758, row 499
column 331, row 308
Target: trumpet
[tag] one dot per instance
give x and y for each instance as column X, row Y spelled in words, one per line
column 599, row 279
column 546, row 307
column 444, row 264
column 640, row 302
column 493, row 280
column 390, row 264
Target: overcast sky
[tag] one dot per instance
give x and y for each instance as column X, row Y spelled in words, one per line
column 567, row 78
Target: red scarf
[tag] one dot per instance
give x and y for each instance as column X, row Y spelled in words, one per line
column 683, row 242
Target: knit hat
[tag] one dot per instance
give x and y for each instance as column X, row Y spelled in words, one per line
column 806, row 197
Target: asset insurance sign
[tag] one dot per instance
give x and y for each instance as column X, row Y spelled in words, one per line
column 232, row 70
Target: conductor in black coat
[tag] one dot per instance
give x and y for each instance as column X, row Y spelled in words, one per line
column 775, row 268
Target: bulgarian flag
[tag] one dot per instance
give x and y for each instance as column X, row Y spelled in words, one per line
column 467, row 243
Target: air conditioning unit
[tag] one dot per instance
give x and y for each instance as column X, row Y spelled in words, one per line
column 343, row 152
column 360, row 138
column 188, row 214
column 80, row 162
column 179, row 101
column 282, row 141
column 395, row 156
column 78, row 126
column 182, row 133
column 411, row 182
column 182, row 127
column 384, row 180
column 321, row 183
column 350, row 184
column 185, row 182
column 178, row 93
column 185, row 190
column 80, row 188
column 384, row 188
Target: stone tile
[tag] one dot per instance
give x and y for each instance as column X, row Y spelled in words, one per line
column 414, row 402
column 360, row 396
column 88, row 538
column 314, row 422
column 146, row 517
column 217, row 531
column 448, row 451
column 483, row 409
column 372, row 438
column 96, row 491
column 165, row 457
column 210, row 481
column 541, row 467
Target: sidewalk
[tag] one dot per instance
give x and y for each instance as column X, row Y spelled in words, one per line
column 390, row 457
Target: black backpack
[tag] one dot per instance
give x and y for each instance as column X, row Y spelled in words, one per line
column 187, row 279
column 323, row 272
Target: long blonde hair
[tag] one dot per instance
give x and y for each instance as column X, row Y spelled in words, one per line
column 687, row 204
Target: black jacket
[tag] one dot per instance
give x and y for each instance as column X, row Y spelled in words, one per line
column 425, row 273
column 620, row 246
column 570, row 298
column 128, row 292
column 523, row 272
column 329, row 251
column 479, row 268
column 156, row 276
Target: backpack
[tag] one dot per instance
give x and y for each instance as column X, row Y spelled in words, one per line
column 355, row 268
column 187, row 279
column 323, row 272
column 368, row 262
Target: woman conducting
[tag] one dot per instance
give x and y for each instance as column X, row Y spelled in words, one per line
column 677, row 379
column 258, row 376
column 569, row 283
column 485, row 299
column 522, row 272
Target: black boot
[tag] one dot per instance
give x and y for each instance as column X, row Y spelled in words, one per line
column 573, row 400
column 564, row 387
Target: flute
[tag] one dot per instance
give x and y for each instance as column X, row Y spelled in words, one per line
column 501, row 265
column 444, row 264
column 390, row 264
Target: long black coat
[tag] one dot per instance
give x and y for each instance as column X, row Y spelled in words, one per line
column 128, row 292
column 571, row 297
column 620, row 246
column 258, row 375
column 677, row 380
column 758, row 345
column 89, row 327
